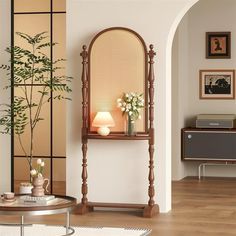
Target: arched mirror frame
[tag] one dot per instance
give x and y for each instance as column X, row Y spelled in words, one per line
column 150, row 209
column 145, row 79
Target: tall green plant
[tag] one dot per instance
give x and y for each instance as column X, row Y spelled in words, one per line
column 30, row 66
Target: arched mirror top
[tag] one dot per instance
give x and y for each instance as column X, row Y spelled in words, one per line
column 118, row 33
column 117, row 64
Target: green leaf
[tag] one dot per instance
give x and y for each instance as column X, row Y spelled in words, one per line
column 31, row 65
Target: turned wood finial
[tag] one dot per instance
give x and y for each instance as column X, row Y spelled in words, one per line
column 84, row 53
column 151, row 53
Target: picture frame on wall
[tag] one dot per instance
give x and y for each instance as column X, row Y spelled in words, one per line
column 217, row 84
column 218, row 45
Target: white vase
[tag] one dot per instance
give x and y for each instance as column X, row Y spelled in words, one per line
column 38, row 189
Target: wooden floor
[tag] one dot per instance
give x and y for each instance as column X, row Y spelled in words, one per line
column 200, row 208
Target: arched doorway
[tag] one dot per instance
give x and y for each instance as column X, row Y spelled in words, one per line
column 168, row 97
column 188, row 58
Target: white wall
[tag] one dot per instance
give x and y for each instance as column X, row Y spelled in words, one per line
column 5, row 155
column 125, row 169
column 180, row 60
column 207, row 15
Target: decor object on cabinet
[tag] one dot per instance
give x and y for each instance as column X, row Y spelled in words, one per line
column 31, row 66
column 130, row 105
column 103, row 120
column 217, row 84
column 218, row 45
column 217, row 121
column 125, row 69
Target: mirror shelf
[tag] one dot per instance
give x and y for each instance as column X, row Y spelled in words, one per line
column 119, row 137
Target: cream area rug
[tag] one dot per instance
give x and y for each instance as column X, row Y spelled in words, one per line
column 43, row 230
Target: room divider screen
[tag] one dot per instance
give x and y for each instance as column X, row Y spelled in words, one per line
column 33, row 17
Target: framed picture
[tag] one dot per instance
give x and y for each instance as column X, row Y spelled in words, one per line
column 218, row 45
column 217, row 84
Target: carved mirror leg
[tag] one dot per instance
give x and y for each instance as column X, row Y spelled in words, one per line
column 83, row 207
column 151, row 209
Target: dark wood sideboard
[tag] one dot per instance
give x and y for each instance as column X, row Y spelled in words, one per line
column 209, row 145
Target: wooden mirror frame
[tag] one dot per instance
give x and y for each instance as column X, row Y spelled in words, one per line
column 145, row 79
column 150, row 209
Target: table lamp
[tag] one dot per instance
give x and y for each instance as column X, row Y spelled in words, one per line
column 103, row 120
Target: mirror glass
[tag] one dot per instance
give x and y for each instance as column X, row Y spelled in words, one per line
column 117, row 65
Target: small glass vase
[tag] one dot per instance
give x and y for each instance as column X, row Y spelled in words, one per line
column 130, row 126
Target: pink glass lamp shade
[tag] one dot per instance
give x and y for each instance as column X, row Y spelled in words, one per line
column 103, row 120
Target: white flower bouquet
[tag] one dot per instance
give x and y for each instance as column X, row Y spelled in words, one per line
column 38, row 171
column 131, row 104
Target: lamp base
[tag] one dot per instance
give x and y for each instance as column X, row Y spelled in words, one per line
column 103, row 131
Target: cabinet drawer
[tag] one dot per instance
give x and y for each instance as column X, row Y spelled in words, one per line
column 209, row 145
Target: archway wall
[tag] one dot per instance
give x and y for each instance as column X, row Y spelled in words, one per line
column 188, row 58
column 156, row 21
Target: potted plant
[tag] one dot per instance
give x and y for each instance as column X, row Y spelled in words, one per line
column 31, row 66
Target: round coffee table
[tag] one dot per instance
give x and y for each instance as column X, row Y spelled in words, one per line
column 60, row 204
